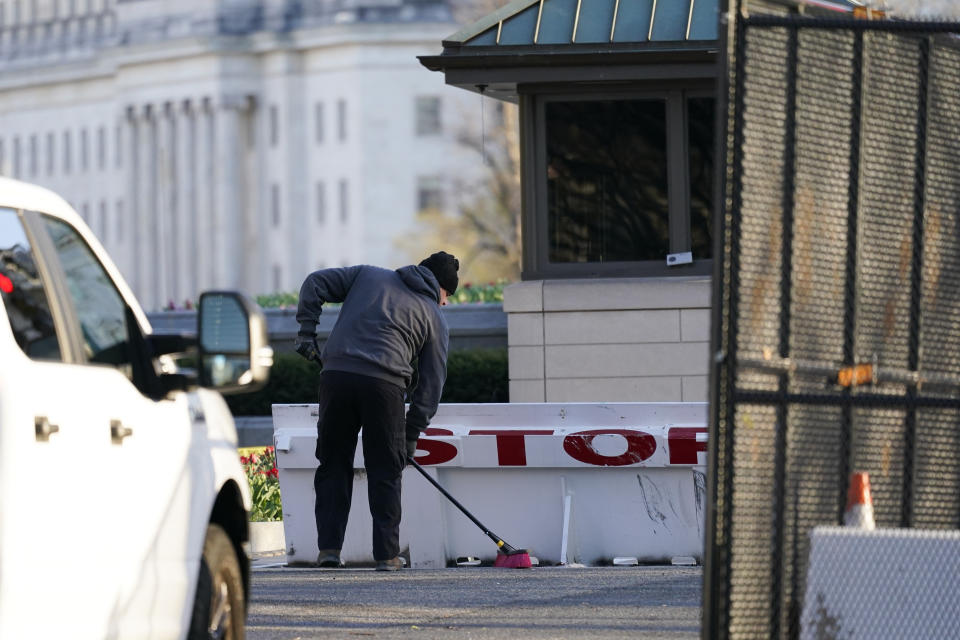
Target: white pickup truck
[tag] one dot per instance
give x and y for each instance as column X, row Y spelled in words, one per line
column 123, row 505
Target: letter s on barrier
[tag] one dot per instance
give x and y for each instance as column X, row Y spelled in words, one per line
column 438, row 451
column 640, row 446
column 511, row 446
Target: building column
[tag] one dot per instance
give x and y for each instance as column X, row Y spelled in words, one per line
column 298, row 214
column 145, row 247
column 165, row 185
column 228, row 218
column 255, row 232
column 203, row 227
column 185, row 269
column 131, row 166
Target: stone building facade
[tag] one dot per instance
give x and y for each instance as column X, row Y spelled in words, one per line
column 232, row 143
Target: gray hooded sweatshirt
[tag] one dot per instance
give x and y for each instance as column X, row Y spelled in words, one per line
column 388, row 320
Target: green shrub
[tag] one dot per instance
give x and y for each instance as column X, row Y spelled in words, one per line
column 477, row 375
column 490, row 292
column 279, row 299
column 473, row 375
column 466, row 293
column 293, row 380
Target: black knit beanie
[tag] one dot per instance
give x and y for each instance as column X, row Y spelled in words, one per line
column 444, row 266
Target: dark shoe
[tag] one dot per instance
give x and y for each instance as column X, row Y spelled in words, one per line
column 329, row 559
column 393, row 564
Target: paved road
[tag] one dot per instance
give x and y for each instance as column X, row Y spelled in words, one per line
column 476, row 603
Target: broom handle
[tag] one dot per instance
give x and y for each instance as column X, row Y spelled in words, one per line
column 500, row 543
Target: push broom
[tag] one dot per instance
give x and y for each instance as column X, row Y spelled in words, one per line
column 507, row 556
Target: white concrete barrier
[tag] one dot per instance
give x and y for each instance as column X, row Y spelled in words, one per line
column 882, row 583
column 574, row 483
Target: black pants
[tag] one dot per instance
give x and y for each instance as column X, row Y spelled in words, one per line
column 349, row 401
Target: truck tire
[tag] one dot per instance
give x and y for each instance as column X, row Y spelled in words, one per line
column 219, row 610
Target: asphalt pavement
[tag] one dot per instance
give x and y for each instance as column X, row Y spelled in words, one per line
column 655, row 602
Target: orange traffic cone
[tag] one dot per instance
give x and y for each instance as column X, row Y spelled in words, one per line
column 859, row 503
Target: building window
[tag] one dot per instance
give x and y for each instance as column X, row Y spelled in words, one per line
column 119, row 210
column 66, row 152
column 85, row 212
column 83, row 150
column 3, row 158
column 341, row 120
column 275, row 205
column 321, row 203
column 428, row 116
column 51, row 153
column 103, row 221
column 609, row 206
column 344, row 201
column 101, row 148
column 118, row 145
column 429, row 193
column 623, row 184
column 274, row 125
column 34, row 156
column 318, row 122
column 16, row 157
column 277, row 277
column 250, row 125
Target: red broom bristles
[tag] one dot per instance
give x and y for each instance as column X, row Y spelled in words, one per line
column 517, row 560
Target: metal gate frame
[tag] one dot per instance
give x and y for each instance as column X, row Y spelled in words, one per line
column 915, row 392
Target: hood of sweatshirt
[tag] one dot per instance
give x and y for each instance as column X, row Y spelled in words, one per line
column 421, row 280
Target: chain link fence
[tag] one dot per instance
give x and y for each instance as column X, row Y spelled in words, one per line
column 840, row 236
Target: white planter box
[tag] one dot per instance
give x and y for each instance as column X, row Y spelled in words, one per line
column 266, row 537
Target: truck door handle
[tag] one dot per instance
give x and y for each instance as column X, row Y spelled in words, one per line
column 44, row 428
column 118, row 432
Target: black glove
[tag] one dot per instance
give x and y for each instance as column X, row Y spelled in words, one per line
column 306, row 346
column 411, row 447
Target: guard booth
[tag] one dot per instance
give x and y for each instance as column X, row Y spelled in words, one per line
column 835, row 333
column 616, row 106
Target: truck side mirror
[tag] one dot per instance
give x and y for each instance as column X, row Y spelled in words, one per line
column 233, row 350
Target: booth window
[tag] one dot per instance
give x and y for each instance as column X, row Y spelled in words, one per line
column 623, row 184
column 607, row 191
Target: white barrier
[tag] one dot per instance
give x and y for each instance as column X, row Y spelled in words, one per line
column 574, row 483
column 882, row 583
